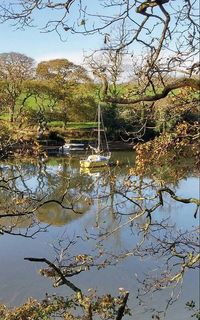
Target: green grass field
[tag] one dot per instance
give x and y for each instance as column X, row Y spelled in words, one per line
column 72, row 125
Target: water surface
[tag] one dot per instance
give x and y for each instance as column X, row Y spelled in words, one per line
column 98, row 214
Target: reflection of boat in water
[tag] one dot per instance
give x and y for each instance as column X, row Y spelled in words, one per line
column 93, row 172
column 98, row 158
column 67, row 148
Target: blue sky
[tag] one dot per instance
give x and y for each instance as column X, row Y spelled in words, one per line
column 45, row 46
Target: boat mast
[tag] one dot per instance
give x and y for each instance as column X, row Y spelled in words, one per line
column 99, row 128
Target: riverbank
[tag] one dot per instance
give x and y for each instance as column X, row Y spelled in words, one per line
column 15, row 141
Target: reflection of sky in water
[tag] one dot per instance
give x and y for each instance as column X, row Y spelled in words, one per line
column 19, row 278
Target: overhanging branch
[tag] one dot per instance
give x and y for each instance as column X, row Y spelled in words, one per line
column 179, row 83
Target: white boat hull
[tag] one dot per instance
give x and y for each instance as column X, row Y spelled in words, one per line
column 94, row 161
column 68, row 148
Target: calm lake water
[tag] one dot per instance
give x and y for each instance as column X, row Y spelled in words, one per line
column 99, row 214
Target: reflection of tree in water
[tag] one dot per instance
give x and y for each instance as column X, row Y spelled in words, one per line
column 22, row 193
column 139, row 204
column 123, row 204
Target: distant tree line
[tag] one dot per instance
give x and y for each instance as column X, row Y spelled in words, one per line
column 60, row 91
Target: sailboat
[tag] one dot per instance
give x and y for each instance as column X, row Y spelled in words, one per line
column 98, row 158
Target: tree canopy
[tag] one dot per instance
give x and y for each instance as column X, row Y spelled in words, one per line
column 61, row 71
column 15, row 68
column 161, row 36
